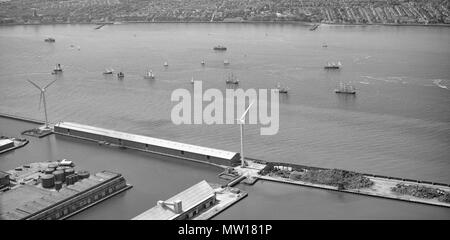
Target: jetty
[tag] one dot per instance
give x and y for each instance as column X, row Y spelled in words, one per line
column 424, row 192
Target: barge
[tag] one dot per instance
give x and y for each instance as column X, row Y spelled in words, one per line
column 54, row 191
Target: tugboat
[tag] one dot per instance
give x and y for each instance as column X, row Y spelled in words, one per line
column 57, row 69
column 220, row 48
column 345, row 88
column 226, row 62
column 108, row 71
column 333, row 65
column 149, row 75
column 50, row 40
column 120, row 75
column 232, row 79
column 282, row 90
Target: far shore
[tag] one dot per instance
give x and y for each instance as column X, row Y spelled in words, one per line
column 237, row 22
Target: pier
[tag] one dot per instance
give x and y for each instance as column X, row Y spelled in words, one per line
column 177, row 150
column 199, row 202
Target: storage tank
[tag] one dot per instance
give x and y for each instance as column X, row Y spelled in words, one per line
column 58, row 185
column 68, row 171
column 75, row 178
column 48, row 180
column 59, row 176
column 49, row 170
column 52, row 165
column 82, row 174
column 69, row 180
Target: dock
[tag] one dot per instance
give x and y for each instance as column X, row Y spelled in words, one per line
column 216, row 157
column 199, row 202
column 382, row 185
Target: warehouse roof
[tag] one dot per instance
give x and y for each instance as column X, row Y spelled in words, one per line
column 189, row 198
column 148, row 140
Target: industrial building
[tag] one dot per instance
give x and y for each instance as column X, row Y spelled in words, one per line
column 4, row 180
column 184, row 205
column 149, row 144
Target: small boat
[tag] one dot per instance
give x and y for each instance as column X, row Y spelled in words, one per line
column 314, row 27
column 203, row 62
column 166, row 64
column 192, row 80
column 120, row 75
column 345, row 88
column 149, row 75
column 220, row 48
column 282, row 89
column 108, row 71
column 232, row 79
column 332, row 65
column 226, row 62
column 57, row 69
column 51, row 40
column 324, row 45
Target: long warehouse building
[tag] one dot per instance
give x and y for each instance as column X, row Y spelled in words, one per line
column 149, row 144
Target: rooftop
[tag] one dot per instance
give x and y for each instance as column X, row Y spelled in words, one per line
column 190, row 198
column 149, row 140
column 24, row 200
column 5, row 142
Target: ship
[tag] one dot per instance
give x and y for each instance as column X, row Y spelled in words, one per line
column 49, row 40
column 220, row 48
column 345, row 88
column 333, row 65
column 57, row 69
column 232, row 79
column 149, row 75
column 282, row 89
column 108, row 71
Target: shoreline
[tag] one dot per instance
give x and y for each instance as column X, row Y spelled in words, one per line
column 382, row 186
column 234, row 22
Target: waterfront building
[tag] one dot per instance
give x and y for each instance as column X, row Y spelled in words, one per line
column 183, row 206
column 149, row 144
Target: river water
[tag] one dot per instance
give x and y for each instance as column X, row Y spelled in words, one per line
column 398, row 123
